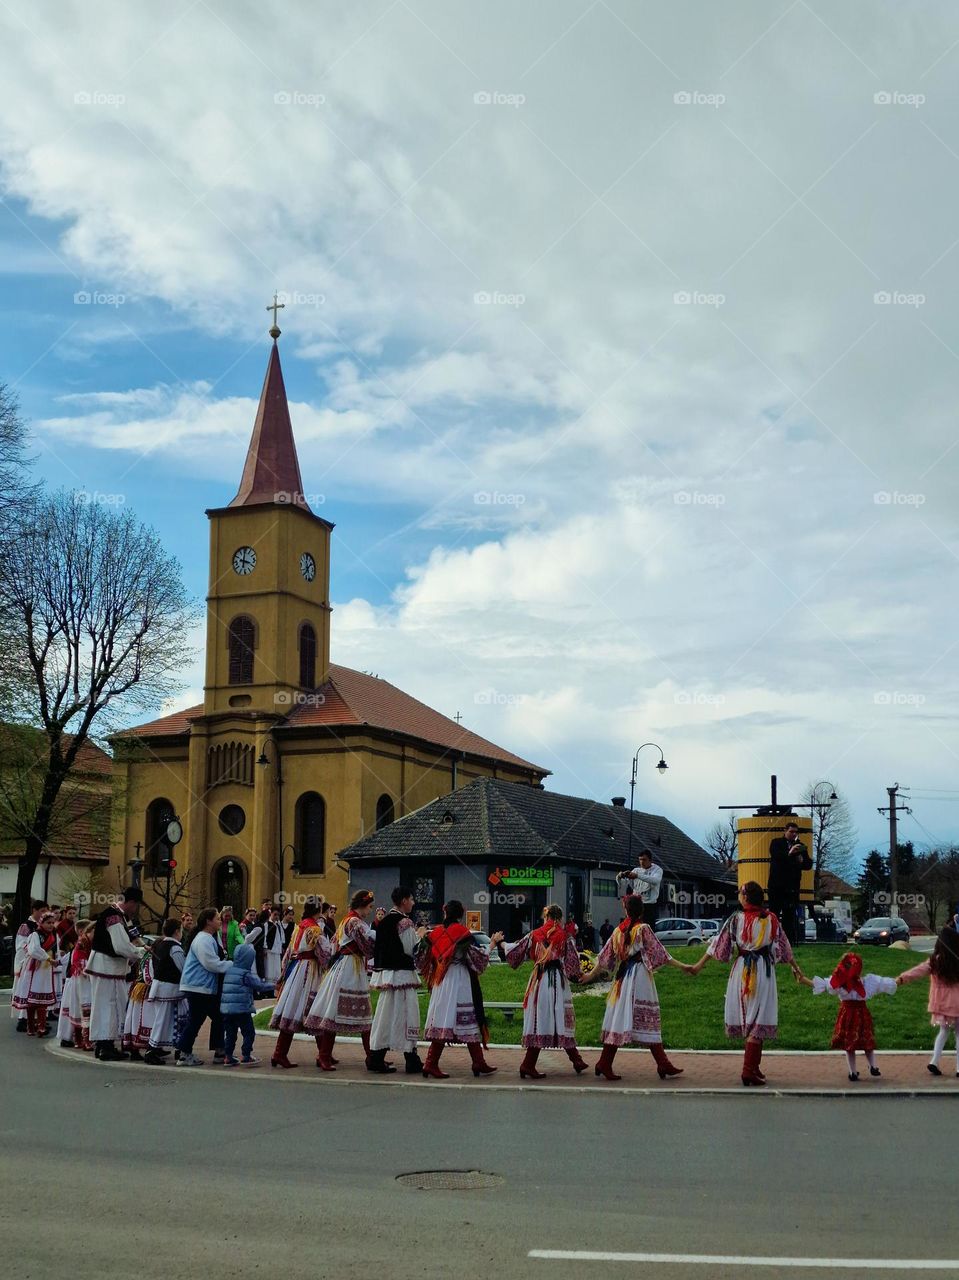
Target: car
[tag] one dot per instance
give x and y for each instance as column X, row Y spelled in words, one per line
column 882, row 931
column 678, row 931
column 483, row 940
column 709, row 928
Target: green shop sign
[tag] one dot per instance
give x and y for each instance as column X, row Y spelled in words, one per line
column 519, row 877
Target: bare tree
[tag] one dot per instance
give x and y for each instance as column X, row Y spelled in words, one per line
column 833, row 833
column 102, row 614
column 934, row 880
column 16, row 494
column 722, row 839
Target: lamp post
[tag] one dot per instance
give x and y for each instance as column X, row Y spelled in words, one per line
column 294, row 867
column 263, row 760
column 662, row 767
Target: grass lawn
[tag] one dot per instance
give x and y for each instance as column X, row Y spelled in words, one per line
column 693, row 1007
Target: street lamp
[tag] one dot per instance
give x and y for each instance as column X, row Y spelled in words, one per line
column 662, row 767
column 294, row 866
column 263, row 760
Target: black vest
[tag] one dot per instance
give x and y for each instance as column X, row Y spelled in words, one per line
column 101, row 930
column 164, row 970
column 388, row 951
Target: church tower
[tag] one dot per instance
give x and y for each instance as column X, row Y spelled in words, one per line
column 268, row 610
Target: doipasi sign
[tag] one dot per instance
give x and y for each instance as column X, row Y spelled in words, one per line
column 521, row 877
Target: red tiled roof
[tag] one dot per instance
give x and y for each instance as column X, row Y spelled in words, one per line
column 353, row 698
column 90, row 758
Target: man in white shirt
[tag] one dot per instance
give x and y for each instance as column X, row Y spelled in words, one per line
column 108, row 970
column 644, row 881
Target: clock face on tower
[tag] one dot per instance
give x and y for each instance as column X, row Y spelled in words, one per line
column 244, row 558
column 307, row 566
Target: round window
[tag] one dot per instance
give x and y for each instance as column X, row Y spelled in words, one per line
column 232, row 820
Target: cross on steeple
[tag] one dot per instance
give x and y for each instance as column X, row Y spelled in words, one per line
column 458, row 717
column 275, row 306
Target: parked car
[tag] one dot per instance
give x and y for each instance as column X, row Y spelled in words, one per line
column 709, row 928
column 882, row 931
column 822, row 926
column 483, row 940
column 678, row 931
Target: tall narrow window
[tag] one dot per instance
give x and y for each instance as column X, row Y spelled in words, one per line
column 241, row 638
column 384, row 812
column 160, row 813
column 307, row 656
column 310, row 837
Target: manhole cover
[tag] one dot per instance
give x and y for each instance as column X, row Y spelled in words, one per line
column 450, row 1180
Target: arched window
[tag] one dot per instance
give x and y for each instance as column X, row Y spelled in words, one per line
column 307, row 656
column 241, row 639
column 310, row 838
column 160, row 813
column 384, row 812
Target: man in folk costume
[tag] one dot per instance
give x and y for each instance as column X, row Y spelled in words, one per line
column 112, row 953
column 396, row 1022
column 168, row 1005
column 548, row 1018
column 30, row 925
column 342, row 1005
column 450, row 961
column 632, row 954
column 273, row 947
column 303, row 964
column 34, row 992
column 752, row 998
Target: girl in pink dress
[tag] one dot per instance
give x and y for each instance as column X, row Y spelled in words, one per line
column 942, row 970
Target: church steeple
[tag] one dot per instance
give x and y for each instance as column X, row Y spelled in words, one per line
column 272, row 470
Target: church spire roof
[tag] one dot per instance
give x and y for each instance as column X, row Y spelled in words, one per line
column 272, row 470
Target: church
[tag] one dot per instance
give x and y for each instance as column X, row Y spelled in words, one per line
column 290, row 758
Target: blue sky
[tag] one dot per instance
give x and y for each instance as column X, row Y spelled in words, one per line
column 621, row 344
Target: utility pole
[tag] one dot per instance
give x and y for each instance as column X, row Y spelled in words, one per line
column 894, row 809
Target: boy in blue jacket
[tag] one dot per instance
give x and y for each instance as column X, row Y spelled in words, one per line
column 240, row 987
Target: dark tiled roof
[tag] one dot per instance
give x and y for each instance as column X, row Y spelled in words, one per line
column 508, row 821
column 355, row 699
column 90, row 759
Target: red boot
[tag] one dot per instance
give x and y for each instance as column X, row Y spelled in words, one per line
column 605, row 1065
column 527, row 1068
column 751, row 1057
column 663, row 1064
column 576, row 1058
column 480, row 1066
column 431, row 1067
column 280, row 1056
column 31, row 1020
column 324, row 1043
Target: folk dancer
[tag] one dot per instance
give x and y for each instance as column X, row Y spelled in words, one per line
column 396, row 1022
column 34, row 993
column 752, row 998
column 168, row 1004
column 854, row 1028
column 632, row 955
column 342, row 1005
column 113, row 950
column 138, row 1019
column 942, row 969
column 305, row 959
column 74, row 1025
column 450, row 961
column 548, row 1018
column 274, row 946
column 29, row 926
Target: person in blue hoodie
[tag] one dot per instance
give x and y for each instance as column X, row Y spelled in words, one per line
column 240, row 987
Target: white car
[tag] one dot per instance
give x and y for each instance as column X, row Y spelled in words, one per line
column 709, row 928
column 678, row 931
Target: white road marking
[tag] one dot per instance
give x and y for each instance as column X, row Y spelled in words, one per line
column 731, row 1260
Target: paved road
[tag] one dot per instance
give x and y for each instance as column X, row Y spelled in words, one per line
column 109, row 1172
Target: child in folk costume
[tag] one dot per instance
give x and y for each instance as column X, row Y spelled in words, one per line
column 168, row 1006
column 752, row 998
column 342, row 1005
column 548, row 1018
column 450, row 962
column 396, row 1022
column 74, row 1025
column 138, row 1020
column 306, row 957
column 34, row 990
column 853, row 1029
column 632, row 954
column 942, row 970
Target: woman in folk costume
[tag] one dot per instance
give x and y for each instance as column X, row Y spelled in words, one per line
column 306, row 957
column 138, row 1020
column 853, row 1029
column 632, row 954
column 74, row 1025
column 274, row 946
column 34, row 990
column 752, row 998
column 450, row 962
column 548, row 1018
column 168, row 1006
column 342, row 1005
